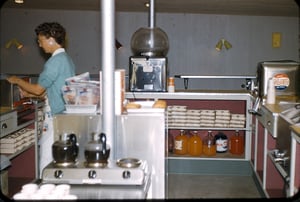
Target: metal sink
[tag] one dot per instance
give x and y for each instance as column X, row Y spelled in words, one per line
column 292, row 115
column 288, row 117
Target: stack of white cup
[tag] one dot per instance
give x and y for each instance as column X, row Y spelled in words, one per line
column 45, row 191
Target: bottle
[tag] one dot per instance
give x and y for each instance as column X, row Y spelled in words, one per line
column 170, row 143
column 171, row 85
column 209, row 146
column 236, row 144
column 271, row 94
column 195, row 144
column 181, row 143
column 221, row 142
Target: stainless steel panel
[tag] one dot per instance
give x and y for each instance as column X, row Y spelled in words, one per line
column 269, row 120
column 148, row 74
column 110, row 192
column 109, row 175
column 143, row 136
column 8, row 123
column 83, row 126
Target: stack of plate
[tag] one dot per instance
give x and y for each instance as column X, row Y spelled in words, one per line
column 222, row 118
column 177, row 116
column 181, row 116
column 237, row 121
column 207, row 118
column 193, row 118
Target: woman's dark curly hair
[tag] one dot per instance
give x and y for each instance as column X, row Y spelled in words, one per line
column 52, row 29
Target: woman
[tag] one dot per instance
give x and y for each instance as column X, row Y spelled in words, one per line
column 51, row 38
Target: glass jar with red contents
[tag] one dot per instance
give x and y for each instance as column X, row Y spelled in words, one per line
column 236, row 144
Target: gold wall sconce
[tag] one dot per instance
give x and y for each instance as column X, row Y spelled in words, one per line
column 14, row 42
column 221, row 43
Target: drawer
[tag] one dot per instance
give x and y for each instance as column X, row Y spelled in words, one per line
column 8, row 123
column 269, row 121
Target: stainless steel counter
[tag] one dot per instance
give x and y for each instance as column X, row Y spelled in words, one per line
column 296, row 129
column 110, row 191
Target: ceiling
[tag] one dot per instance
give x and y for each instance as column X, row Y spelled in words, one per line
column 231, row 7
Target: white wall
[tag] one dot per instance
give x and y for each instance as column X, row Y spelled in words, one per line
column 192, row 39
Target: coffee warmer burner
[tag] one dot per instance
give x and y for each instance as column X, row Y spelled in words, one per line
column 127, row 171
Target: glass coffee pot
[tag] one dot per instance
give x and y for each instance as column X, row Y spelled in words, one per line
column 65, row 150
column 97, row 151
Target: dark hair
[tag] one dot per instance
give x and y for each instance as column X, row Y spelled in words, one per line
column 52, row 29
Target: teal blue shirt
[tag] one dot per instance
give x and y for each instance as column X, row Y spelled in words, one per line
column 57, row 68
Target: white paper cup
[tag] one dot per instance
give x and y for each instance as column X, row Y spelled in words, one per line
column 37, row 196
column 46, row 188
column 52, row 196
column 21, row 196
column 29, row 188
column 62, row 189
column 70, row 197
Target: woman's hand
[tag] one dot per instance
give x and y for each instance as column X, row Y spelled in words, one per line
column 13, row 79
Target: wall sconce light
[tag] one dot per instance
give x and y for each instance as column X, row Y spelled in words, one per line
column 13, row 42
column 222, row 42
column 19, row 1
column 118, row 45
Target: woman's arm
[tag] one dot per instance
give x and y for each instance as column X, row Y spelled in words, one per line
column 32, row 89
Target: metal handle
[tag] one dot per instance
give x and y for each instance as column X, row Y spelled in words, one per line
column 4, row 126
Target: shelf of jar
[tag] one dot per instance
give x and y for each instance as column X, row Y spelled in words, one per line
column 218, row 156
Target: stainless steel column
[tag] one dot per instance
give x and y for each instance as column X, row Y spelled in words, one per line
column 108, row 68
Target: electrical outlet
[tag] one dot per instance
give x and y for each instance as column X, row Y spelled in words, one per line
column 276, row 39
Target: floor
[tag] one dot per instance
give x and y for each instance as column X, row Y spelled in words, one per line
column 187, row 186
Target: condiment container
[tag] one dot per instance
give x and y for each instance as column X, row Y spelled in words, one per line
column 195, row 144
column 236, row 144
column 181, row 143
column 209, row 146
column 221, row 142
column 171, row 85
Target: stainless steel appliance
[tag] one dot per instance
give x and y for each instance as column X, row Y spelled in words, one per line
column 10, row 94
column 134, row 170
column 111, row 174
column 286, row 76
column 94, row 168
column 148, row 74
column 8, row 121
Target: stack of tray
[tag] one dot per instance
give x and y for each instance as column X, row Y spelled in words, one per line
column 16, row 141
